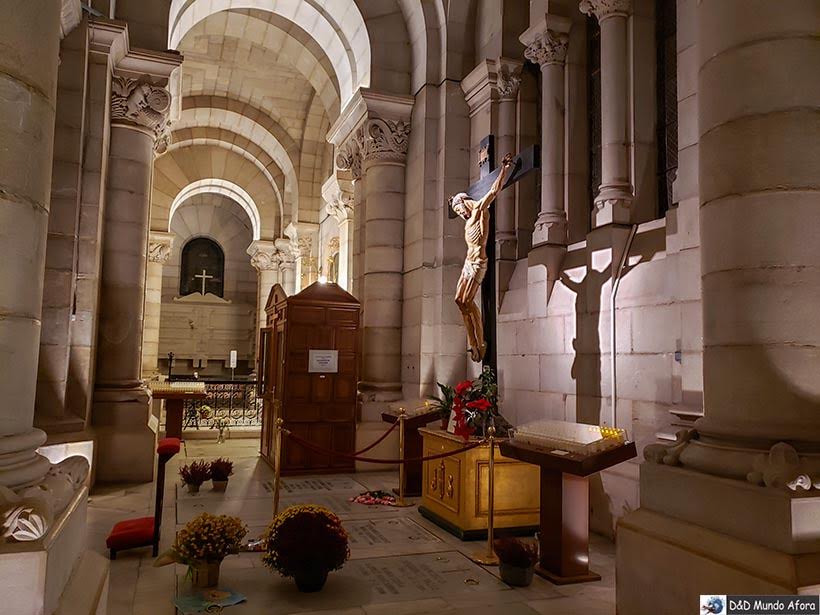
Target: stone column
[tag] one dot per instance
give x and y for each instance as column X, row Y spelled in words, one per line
column 339, row 205
column 342, row 210
column 349, row 159
column 612, row 205
column 52, row 411
column 508, row 82
column 306, row 263
column 159, row 252
column 385, row 150
column 265, row 259
column 121, row 403
column 28, row 84
column 759, row 159
column 288, row 266
column 491, row 92
column 547, row 46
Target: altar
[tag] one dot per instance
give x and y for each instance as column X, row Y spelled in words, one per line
column 454, row 489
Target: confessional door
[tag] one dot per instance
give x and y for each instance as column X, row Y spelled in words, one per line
column 320, row 407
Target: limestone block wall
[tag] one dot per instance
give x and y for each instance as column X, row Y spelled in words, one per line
column 206, row 330
column 210, row 330
column 554, row 358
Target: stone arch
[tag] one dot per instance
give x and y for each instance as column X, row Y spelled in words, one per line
column 255, row 126
column 178, row 168
column 224, row 187
column 259, row 158
column 426, row 20
column 290, row 43
column 338, row 27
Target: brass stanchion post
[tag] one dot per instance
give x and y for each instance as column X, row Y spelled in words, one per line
column 488, row 557
column 277, row 466
column 402, row 469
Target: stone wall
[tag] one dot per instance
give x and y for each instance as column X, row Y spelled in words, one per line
column 554, row 358
column 209, row 329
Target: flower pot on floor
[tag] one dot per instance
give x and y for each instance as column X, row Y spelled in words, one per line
column 220, row 485
column 310, row 580
column 516, row 575
column 192, row 488
column 205, row 574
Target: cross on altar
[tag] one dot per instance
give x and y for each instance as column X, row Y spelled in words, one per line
column 527, row 161
column 205, row 277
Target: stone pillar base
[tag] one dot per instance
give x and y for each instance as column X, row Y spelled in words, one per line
column 679, row 561
column 126, row 433
column 45, row 573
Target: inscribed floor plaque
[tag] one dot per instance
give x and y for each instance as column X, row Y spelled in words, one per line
column 448, row 575
column 382, row 537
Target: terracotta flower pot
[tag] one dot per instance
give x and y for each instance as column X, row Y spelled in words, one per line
column 515, row 575
column 205, row 574
column 310, row 580
column 219, row 485
column 192, row 488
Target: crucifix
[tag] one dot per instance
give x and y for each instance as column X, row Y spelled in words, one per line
column 479, row 267
column 205, row 277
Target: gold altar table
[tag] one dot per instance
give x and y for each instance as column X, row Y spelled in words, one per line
column 454, row 489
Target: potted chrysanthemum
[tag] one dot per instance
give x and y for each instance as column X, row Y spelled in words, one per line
column 306, row 542
column 202, row 545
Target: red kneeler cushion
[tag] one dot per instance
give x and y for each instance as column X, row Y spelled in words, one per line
column 131, row 533
column 168, row 446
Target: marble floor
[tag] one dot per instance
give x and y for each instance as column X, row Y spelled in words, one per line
column 401, row 564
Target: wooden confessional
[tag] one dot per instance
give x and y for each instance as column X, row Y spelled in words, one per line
column 308, row 371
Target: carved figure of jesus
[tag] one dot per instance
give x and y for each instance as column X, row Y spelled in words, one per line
column 476, row 230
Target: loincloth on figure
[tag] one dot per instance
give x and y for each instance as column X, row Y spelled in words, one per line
column 474, row 270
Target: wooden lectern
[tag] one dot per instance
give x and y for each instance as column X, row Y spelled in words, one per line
column 175, row 394
column 564, row 523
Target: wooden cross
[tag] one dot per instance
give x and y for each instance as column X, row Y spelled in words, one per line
column 524, row 163
column 204, row 276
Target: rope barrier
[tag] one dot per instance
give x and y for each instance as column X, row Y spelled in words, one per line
column 354, row 457
column 379, row 441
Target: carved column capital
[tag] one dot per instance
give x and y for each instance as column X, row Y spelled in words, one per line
column 264, row 256
column 159, row 247
column 341, row 207
column 550, row 47
column 603, row 9
column 136, row 102
column 304, row 247
column 385, row 139
column 508, row 79
column 349, row 154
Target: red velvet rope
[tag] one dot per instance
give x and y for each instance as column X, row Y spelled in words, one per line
column 380, row 440
column 324, row 451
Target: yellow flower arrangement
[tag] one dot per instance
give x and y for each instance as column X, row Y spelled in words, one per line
column 305, row 537
column 207, row 538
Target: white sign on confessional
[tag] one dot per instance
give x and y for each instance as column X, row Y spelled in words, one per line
column 323, row 361
column 232, row 360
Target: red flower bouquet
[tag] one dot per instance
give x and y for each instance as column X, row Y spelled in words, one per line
column 475, row 406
